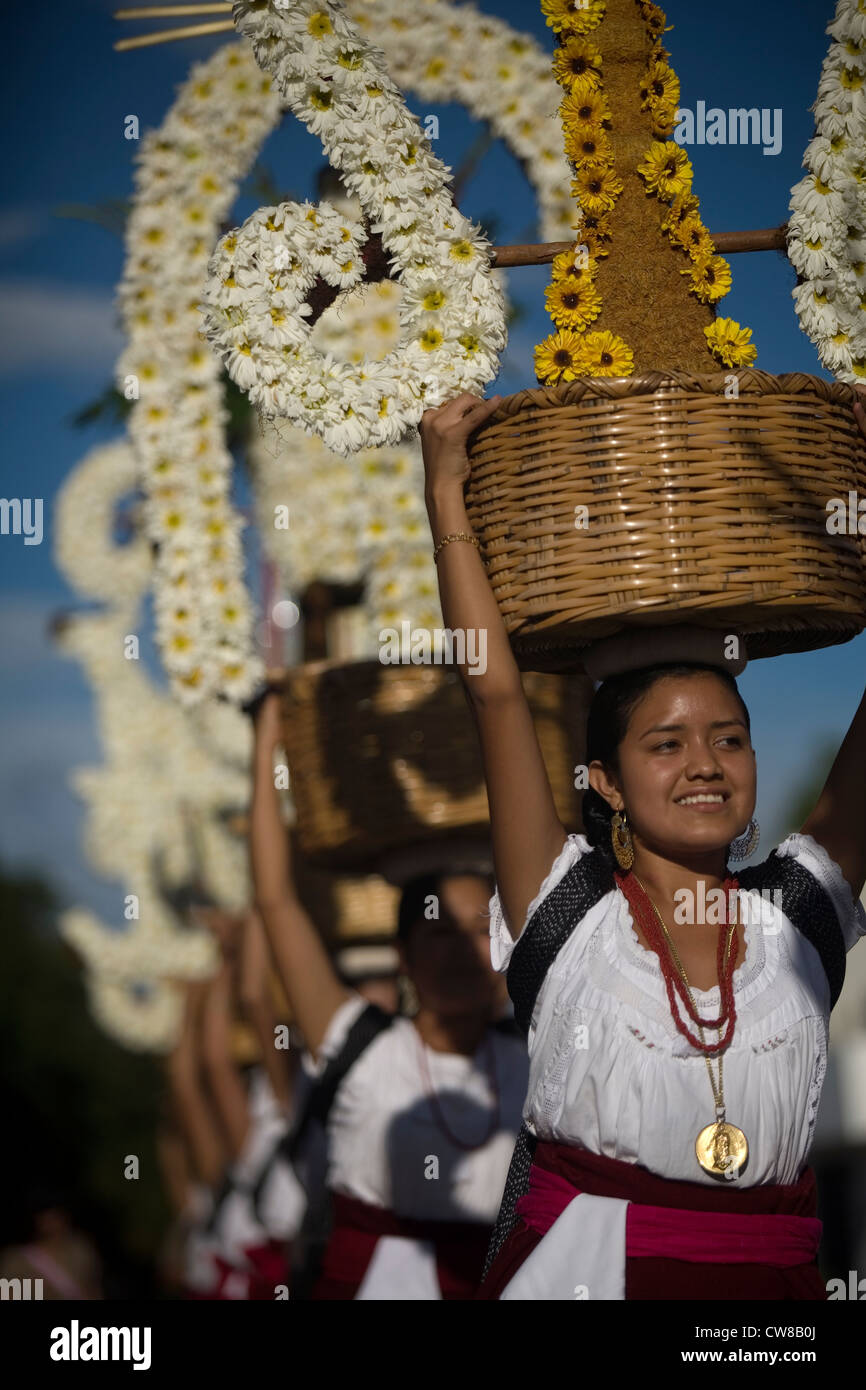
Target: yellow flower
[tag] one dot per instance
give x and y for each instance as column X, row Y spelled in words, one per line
column 559, row 357
column 573, row 16
column 653, row 17
column 682, row 207
column 430, row 339
column 597, row 187
column 572, row 303
column 730, row 343
column 659, row 86
column 584, row 115
column 577, row 66
column 693, row 237
column 667, row 170
column 607, row 355
column 574, row 265
column 664, row 119
column 588, row 147
column 710, row 277
column 595, row 233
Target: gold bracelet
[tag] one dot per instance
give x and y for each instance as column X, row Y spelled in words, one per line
column 456, row 536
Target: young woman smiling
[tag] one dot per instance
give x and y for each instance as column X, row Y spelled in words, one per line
column 675, row 1067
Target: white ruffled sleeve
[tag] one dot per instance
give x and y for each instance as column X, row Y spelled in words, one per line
column 501, row 941
column 814, row 857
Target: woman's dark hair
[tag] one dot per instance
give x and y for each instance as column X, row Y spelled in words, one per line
column 415, row 895
column 609, row 713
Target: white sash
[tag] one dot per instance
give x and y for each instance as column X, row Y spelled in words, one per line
column 401, row 1270
column 581, row 1257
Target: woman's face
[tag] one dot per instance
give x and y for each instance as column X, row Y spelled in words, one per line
column 447, row 957
column 686, row 738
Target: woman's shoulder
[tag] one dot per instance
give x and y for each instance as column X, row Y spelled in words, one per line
column 575, row 861
column 801, row 871
column 580, row 878
column 801, row 881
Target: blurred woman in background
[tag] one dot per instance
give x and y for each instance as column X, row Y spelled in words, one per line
column 420, row 1114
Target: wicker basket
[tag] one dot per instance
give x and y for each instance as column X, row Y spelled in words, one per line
column 344, row 906
column 386, row 757
column 701, row 508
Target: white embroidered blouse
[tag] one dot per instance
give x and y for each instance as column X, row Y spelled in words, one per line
column 610, row 1072
column 387, row 1146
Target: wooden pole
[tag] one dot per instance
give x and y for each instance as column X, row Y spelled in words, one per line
column 321, row 296
column 187, row 31
column 170, row 11
column 726, row 243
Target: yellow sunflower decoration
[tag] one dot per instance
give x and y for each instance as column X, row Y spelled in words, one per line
column 592, row 104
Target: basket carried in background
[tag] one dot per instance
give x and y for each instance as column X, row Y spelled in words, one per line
column 383, row 757
column 697, row 507
column 345, row 907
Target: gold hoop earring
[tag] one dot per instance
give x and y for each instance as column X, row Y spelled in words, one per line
column 620, row 838
column 409, row 1004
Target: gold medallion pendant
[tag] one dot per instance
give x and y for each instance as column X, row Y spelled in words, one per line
column 721, row 1149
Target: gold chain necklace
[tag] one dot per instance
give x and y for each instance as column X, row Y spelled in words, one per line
column 721, row 1148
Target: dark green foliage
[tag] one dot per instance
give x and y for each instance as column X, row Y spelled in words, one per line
column 75, row 1104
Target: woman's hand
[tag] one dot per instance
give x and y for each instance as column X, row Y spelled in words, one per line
column 444, row 433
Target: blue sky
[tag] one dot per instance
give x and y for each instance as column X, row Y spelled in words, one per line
column 65, row 103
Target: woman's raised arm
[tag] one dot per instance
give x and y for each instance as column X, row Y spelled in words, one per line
column 190, row 1106
column 257, row 1004
column 309, row 980
column 526, row 831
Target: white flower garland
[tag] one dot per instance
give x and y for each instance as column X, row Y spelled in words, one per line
column 188, row 173
column 85, row 549
column 142, row 1015
column 138, row 953
column 155, row 771
column 827, row 227
column 452, row 312
column 187, row 178
column 375, row 507
column 137, row 830
column 457, row 54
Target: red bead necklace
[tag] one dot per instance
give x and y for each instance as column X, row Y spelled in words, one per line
column 647, row 917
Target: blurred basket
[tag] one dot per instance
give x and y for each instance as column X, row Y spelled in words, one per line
column 703, row 506
column 345, row 907
column 386, row 757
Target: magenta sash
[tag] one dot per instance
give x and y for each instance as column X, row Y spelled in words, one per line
column 675, row 1233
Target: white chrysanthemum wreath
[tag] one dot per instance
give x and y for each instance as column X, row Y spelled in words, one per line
column 827, row 227
column 86, row 507
column 452, row 312
column 135, row 832
column 187, row 177
column 167, row 755
column 374, row 502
